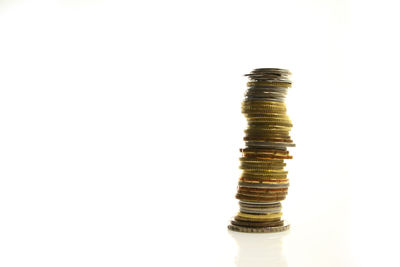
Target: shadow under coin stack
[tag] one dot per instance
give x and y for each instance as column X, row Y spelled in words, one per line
column 264, row 183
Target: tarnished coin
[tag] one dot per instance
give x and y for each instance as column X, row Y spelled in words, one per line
column 257, row 224
column 273, row 229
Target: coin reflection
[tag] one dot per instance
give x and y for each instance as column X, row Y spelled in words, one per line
column 259, row 249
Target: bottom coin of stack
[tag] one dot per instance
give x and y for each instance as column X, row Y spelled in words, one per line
column 264, row 183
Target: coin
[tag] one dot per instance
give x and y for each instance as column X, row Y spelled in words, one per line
column 245, row 193
column 260, row 216
column 261, row 199
column 282, row 83
column 257, row 224
column 273, row 229
column 269, row 144
column 264, row 185
column 257, row 211
column 258, row 204
column 261, row 190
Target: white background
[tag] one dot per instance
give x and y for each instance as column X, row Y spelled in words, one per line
column 120, row 130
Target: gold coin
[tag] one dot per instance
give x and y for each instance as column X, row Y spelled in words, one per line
column 265, row 121
column 269, row 83
column 255, row 194
column 265, row 191
column 263, row 131
column 266, row 139
column 265, row 115
column 258, row 168
column 264, row 110
column 249, row 158
column 265, row 172
column 260, row 164
column 267, row 107
column 260, row 199
column 263, row 126
column 269, row 122
column 266, row 156
column 264, row 180
column 261, row 216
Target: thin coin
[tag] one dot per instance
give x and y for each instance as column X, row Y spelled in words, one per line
column 270, row 83
column 264, row 185
column 274, row 229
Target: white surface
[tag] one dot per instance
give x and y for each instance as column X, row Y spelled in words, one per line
column 120, row 127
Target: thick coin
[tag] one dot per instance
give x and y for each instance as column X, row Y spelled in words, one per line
column 258, row 210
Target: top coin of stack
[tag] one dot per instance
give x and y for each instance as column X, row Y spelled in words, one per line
column 264, row 183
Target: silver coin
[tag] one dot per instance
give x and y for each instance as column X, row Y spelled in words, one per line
column 259, row 211
column 263, row 185
column 268, row 79
column 273, row 229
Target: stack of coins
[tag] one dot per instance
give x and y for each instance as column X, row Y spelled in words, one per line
column 263, row 183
